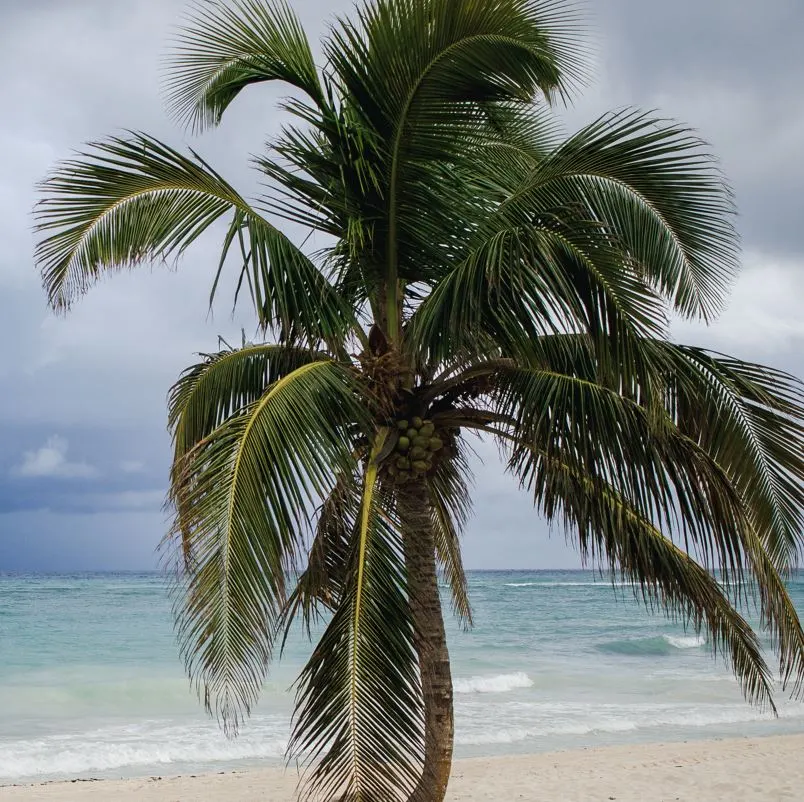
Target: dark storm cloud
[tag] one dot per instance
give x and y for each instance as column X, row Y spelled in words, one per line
column 80, row 70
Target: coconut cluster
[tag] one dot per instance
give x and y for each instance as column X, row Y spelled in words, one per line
column 416, row 447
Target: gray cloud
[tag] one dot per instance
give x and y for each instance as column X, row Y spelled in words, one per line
column 51, row 461
column 99, row 377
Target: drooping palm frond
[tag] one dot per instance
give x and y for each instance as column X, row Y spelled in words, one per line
column 748, row 417
column 779, row 615
column 659, row 193
column 222, row 48
column 129, row 201
column 208, row 393
column 669, row 579
column 605, row 436
column 243, row 497
column 323, row 581
column 359, row 708
column 669, row 479
column 592, row 237
column 451, row 504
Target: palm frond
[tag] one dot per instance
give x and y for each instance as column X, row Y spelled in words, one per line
column 525, row 279
column 653, row 185
column 208, row 393
column 751, row 420
column 423, row 75
column 779, row 615
column 243, row 497
column 451, row 504
column 359, row 708
column 606, row 436
column 668, row 578
column 323, row 581
column 129, row 201
column 224, row 47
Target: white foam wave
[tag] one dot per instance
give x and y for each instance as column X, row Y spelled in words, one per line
column 685, row 642
column 545, row 721
column 502, row 683
column 516, row 734
column 116, row 748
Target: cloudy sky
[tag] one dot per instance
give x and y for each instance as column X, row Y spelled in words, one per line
column 84, row 451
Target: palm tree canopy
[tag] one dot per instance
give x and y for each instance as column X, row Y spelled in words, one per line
column 483, row 274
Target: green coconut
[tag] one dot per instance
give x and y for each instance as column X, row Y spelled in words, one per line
column 403, row 444
column 436, row 444
column 411, row 433
column 420, row 465
column 402, row 425
column 417, row 422
column 427, row 430
column 421, row 442
column 417, row 452
column 403, row 464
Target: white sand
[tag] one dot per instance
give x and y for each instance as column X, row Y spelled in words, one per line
column 742, row 770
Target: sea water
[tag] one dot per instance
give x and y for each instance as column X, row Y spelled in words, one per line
column 91, row 684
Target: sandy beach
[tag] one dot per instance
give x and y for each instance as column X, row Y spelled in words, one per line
column 743, row 770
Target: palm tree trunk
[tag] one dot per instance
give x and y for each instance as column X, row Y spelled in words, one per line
column 431, row 643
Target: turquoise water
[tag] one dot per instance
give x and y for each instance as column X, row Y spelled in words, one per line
column 91, row 685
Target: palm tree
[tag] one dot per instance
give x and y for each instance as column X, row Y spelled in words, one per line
column 481, row 275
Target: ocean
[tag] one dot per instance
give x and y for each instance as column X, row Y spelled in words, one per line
column 91, row 684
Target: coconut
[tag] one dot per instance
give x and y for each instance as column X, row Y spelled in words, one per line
column 403, row 443
column 420, row 465
column 436, row 444
column 411, row 433
column 417, row 452
column 402, row 424
column 417, row 422
column 421, row 442
column 427, row 430
column 403, row 464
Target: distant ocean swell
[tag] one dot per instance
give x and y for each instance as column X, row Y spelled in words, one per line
column 650, row 646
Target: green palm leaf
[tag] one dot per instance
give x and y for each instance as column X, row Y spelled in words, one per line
column 606, row 436
column 224, row 48
column 747, row 417
column 129, row 201
column 243, row 497
column 654, row 186
column 359, row 697
column 323, row 581
column 451, row 503
column 668, row 578
column 210, row 392
column 421, row 69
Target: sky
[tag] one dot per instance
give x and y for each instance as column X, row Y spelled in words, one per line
column 84, row 449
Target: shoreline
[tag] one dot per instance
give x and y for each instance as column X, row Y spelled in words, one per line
column 757, row 769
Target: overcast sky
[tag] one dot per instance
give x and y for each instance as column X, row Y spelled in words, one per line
column 84, row 451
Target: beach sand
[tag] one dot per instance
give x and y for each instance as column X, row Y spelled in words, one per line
column 741, row 770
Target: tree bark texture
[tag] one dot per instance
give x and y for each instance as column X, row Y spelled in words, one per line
column 430, row 642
